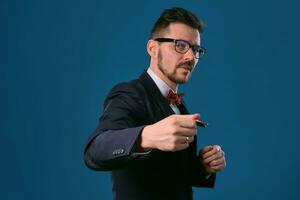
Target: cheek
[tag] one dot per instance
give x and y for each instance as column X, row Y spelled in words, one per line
column 173, row 63
column 169, row 59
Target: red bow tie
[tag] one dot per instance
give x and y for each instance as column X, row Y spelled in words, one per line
column 173, row 98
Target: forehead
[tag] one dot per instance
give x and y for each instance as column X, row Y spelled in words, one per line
column 182, row 31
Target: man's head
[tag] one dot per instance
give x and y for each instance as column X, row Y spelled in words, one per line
column 174, row 45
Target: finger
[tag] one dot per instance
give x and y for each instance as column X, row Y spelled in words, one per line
column 181, row 146
column 217, row 162
column 186, row 132
column 213, row 151
column 217, row 147
column 191, row 139
column 186, row 139
column 219, row 167
column 206, row 149
column 187, row 123
column 213, row 157
column 191, row 116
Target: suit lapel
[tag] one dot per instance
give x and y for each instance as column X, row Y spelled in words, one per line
column 155, row 95
column 183, row 109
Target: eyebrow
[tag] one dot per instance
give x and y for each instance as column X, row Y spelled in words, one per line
column 189, row 42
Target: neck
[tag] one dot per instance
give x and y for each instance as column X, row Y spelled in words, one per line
column 170, row 83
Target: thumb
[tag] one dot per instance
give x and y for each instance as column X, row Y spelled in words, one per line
column 196, row 116
column 193, row 116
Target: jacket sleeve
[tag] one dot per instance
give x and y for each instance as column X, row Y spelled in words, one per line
column 199, row 178
column 112, row 145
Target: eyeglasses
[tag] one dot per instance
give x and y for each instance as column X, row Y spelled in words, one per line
column 182, row 46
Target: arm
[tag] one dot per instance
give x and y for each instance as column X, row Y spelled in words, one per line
column 113, row 143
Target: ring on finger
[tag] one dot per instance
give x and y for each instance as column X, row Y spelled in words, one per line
column 187, row 141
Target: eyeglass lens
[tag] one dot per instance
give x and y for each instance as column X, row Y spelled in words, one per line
column 182, row 47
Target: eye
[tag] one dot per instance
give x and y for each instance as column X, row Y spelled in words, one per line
column 181, row 45
column 197, row 49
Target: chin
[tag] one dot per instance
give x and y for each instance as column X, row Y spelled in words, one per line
column 182, row 81
column 179, row 79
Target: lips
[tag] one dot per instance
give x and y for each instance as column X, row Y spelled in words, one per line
column 186, row 67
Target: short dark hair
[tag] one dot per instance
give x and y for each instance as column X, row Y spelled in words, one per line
column 176, row 15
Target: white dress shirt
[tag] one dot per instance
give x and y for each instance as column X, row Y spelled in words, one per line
column 163, row 87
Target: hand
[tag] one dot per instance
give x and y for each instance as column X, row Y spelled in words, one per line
column 213, row 159
column 173, row 133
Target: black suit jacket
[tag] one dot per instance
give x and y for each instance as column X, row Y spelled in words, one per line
column 128, row 108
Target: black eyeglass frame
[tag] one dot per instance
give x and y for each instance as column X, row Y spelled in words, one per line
column 195, row 48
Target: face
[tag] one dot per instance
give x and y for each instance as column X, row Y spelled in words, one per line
column 175, row 67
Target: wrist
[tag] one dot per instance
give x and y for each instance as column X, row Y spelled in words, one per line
column 145, row 143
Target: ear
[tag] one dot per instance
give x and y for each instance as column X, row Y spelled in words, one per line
column 152, row 48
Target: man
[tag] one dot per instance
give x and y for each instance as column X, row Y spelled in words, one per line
column 145, row 136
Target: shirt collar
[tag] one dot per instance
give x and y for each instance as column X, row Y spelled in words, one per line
column 162, row 86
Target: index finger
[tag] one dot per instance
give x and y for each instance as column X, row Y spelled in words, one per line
column 206, row 149
column 187, row 123
column 193, row 116
column 215, row 149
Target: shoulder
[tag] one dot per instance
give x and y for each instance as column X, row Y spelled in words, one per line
column 133, row 88
column 130, row 94
column 127, row 98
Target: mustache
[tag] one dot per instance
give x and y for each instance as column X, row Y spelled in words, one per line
column 190, row 65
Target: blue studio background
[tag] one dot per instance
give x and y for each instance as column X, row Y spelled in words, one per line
column 60, row 58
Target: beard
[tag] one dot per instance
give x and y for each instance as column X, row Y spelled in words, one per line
column 171, row 75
